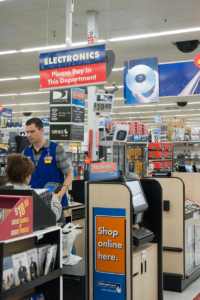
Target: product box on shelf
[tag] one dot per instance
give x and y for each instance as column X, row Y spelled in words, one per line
column 138, row 167
column 169, row 146
column 157, row 146
column 160, row 154
column 168, row 164
column 164, row 128
column 155, row 131
column 144, row 138
column 138, row 153
column 137, row 137
column 131, row 167
column 130, row 153
column 156, row 154
column 158, row 164
column 155, row 138
column 168, row 154
column 162, row 164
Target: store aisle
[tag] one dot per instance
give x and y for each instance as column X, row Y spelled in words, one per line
column 189, row 294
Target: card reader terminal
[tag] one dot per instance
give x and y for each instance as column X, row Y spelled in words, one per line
column 53, row 187
column 140, row 205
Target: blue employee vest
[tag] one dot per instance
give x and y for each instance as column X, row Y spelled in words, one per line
column 46, row 172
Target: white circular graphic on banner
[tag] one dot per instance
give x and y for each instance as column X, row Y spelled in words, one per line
column 140, row 79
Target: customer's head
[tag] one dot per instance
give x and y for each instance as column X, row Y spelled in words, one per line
column 19, row 169
column 34, row 130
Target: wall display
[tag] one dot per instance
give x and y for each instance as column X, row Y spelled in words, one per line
column 78, row 96
column 66, row 132
column 179, row 79
column 74, row 67
column 77, row 133
column 60, row 114
column 60, row 97
column 141, row 83
column 77, row 114
column 109, row 253
column 60, row 132
column 67, row 107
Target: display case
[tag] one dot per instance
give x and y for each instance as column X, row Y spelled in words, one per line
column 118, row 155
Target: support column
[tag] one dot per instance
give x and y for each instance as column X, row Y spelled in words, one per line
column 69, row 11
column 93, row 119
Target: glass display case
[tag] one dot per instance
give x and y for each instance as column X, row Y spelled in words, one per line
column 118, row 155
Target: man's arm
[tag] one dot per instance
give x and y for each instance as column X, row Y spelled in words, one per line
column 66, row 184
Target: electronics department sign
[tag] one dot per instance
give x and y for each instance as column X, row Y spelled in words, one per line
column 109, row 253
column 74, row 67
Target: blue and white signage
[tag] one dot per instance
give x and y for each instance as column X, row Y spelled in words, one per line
column 158, row 119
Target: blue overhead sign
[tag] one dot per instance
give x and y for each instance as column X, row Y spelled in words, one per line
column 72, row 57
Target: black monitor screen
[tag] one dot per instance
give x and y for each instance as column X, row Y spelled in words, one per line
column 121, row 135
column 137, row 194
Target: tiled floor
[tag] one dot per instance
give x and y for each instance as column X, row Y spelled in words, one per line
column 189, row 294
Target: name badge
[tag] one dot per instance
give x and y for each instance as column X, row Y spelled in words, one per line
column 48, row 159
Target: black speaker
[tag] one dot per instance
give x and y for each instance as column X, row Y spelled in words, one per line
column 187, row 46
column 27, row 114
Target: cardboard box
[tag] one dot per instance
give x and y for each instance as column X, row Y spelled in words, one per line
column 177, row 120
column 164, row 128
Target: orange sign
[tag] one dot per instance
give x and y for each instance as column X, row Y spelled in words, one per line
column 110, row 244
column 103, row 167
column 77, row 95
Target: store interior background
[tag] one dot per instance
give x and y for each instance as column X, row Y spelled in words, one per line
column 29, row 24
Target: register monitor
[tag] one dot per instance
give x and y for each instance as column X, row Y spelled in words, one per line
column 139, row 201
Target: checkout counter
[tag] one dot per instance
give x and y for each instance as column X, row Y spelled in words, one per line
column 124, row 239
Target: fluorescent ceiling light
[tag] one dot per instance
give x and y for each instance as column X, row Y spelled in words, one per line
column 5, row 79
column 35, row 103
column 156, row 34
column 119, row 99
column 9, row 105
column 34, row 93
column 193, row 103
column 43, row 48
column 30, row 77
column 6, row 95
column 111, row 87
column 117, row 69
column 130, row 112
column 8, row 52
column 33, row 111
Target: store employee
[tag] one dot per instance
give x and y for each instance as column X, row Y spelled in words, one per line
column 51, row 161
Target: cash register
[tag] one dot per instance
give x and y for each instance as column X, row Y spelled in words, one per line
column 141, row 235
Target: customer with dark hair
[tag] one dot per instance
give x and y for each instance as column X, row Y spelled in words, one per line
column 50, row 160
column 18, row 174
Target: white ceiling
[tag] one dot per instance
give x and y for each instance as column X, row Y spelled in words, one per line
column 23, row 24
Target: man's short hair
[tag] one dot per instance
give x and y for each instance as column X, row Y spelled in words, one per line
column 38, row 123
